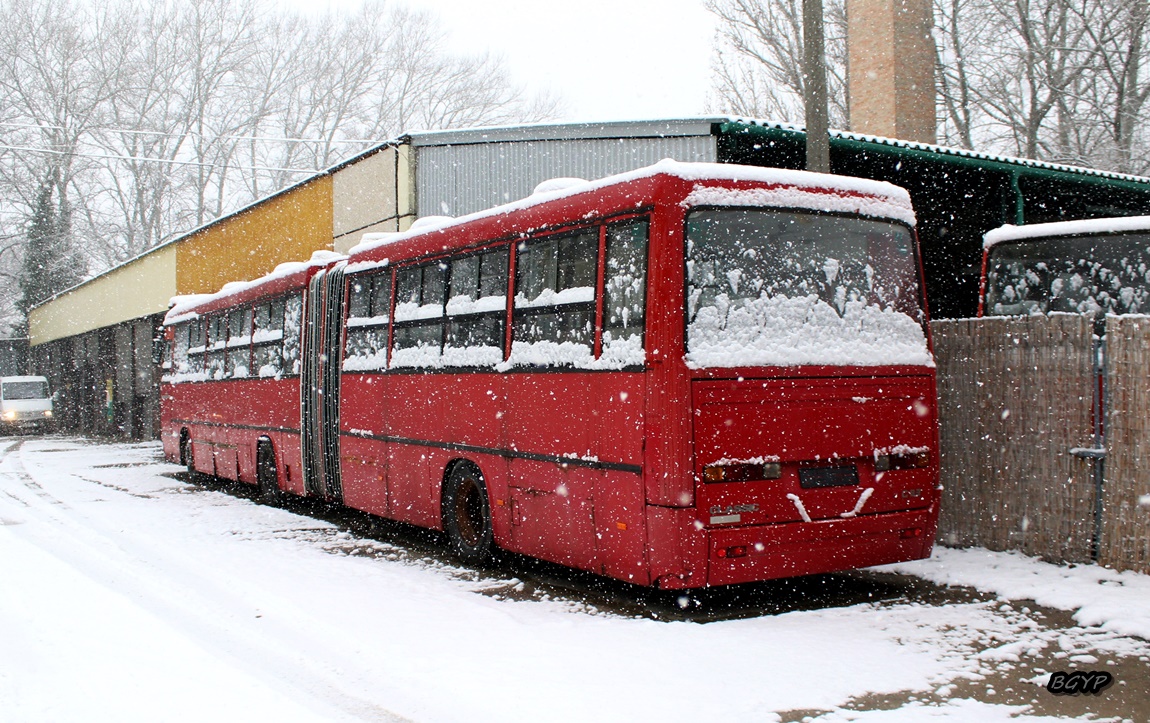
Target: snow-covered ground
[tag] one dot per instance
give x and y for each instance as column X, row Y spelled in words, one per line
column 127, row 594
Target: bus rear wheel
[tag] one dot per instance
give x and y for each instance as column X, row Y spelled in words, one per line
column 467, row 515
column 266, row 475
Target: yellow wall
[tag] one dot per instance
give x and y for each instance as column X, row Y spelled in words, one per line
column 288, row 227
column 139, row 288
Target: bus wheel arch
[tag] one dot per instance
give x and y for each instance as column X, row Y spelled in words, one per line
column 267, row 473
column 466, row 512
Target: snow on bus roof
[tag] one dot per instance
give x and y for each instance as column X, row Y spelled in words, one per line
column 1117, row 224
column 846, row 194
column 183, row 307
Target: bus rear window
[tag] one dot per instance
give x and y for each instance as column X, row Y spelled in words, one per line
column 1095, row 275
column 783, row 288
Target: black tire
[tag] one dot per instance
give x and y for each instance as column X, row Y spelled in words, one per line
column 467, row 515
column 186, row 458
column 267, row 476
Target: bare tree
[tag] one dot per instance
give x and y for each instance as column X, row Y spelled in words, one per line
column 54, row 96
column 1058, row 80
column 148, row 118
column 758, row 63
column 1041, row 57
column 1117, row 91
column 961, row 28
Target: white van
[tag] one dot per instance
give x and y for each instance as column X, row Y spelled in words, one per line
column 25, row 403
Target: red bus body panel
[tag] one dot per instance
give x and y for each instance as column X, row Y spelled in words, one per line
column 603, row 470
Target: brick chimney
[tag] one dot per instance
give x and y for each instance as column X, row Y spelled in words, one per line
column 891, row 69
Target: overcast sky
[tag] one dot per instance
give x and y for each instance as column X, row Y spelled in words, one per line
column 605, row 59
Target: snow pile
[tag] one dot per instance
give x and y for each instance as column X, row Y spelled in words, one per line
column 1094, row 226
column 551, row 185
column 1113, row 601
column 886, row 195
column 814, row 199
column 783, row 331
column 182, row 306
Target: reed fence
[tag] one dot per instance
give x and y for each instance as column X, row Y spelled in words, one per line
column 1125, row 533
column 1015, row 397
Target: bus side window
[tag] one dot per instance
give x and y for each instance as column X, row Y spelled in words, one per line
column 419, row 300
column 267, row 339
column 181, row 344
column 368, row 314
column 216, row 346
column 476, row 310
column 239, row 342
column 196, row 346
column 292, row 329
column 555, row 300
column 625, row 292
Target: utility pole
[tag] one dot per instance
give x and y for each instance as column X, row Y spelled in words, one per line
column 815, row 88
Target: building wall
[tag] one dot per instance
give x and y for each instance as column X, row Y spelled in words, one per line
column 138, row 288
column 249, row 244
column 372, row 195
column 99, row 343
column 461, row 178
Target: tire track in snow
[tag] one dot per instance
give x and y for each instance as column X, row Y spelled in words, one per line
column 194, row 600
column 10, row 460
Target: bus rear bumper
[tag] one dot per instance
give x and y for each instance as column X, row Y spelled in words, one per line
column 766, row 552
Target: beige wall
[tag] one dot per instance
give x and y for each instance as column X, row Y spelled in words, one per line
column 891, row 69
column 139, row 288
column 367, row 197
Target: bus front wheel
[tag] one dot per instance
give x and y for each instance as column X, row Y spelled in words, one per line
column 186, row 455
column 467, row 514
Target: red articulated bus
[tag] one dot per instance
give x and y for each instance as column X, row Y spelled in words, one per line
column 686, row 375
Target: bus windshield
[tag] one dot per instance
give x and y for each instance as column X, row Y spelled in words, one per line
column 775, row 287
column 1097, row 275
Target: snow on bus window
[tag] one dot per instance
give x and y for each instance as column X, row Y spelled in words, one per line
column 1084, row 274
column 292, row 328
column 187, row 352
column 417, row 339
column 239, row 342
column 369, row 303
column 182, row 342
column 267, row 338
column 625, row 293
column 554, row 315
column 774, row 287
column 476, row 310
column 216, row 346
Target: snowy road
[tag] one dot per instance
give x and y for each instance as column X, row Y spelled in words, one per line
column 128, row 594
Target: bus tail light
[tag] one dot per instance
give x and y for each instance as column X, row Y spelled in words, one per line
column 733, row 551
column 911, row 459
column 741, row 472
column 910, row 533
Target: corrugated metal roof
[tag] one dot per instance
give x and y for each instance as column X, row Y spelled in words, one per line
column 457, row 179
column 943, row 150
column 702, row 126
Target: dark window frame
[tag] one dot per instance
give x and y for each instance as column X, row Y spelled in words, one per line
column 272, row 347
column 380, row 290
